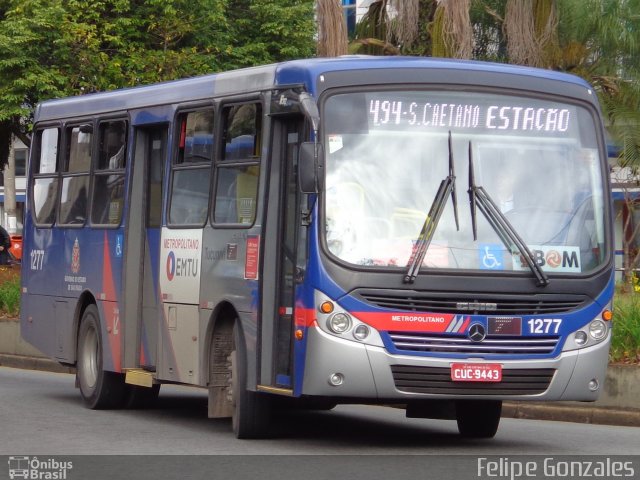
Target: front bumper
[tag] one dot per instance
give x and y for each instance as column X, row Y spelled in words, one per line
column 367, row 373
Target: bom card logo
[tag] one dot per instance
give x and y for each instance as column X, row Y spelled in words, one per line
column 552, row 259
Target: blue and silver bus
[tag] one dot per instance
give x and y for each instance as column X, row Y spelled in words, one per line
column 429, row 233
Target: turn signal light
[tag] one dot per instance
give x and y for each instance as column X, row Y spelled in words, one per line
column 607, row 315
column 299, row 334
column 326, row 307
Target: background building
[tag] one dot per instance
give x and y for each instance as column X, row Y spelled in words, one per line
column 353, row 11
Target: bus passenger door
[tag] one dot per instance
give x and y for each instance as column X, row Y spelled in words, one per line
column 143, row 305
column 284, row 236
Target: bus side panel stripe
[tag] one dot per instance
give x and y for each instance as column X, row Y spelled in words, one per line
column 305, row 317
column 111, row 310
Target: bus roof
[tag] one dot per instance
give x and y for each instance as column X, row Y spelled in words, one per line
column 317, row 66
column 295, row 72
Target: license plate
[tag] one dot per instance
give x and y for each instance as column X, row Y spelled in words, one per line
column 476, row 372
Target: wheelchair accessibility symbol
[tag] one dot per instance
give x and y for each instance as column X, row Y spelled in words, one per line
column 491, row 257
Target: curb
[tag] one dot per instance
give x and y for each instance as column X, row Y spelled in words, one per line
column 573, row 413
column 33, row 363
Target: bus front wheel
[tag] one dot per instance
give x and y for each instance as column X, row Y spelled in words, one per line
column 478, row 418
column 251, row 410
column 99, row 389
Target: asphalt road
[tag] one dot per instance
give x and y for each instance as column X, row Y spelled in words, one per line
column 42, row 413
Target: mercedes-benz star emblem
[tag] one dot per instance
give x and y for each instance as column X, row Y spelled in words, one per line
column 477, row 332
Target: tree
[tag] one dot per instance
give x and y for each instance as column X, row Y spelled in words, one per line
column 332, row 33
column 56, row 48
column 265, row 31
column 628, row 183
column 28, row 36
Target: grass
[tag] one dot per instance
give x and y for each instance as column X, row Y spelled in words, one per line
column 10, row 297
column 625, row 343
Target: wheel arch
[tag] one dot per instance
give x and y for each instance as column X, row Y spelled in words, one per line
column 219, row 333
column 85, row 299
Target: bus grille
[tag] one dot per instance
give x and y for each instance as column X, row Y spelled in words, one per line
column 418, row 342
column 415, row 301
column 437, row 380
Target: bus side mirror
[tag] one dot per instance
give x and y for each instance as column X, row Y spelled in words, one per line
column 310, row 163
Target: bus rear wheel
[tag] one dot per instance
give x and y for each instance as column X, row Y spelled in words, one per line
column 99, row 389
column 251, row 410
column 478, row 418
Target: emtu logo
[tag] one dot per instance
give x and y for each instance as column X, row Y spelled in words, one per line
column 181, row 266
column 171, row 265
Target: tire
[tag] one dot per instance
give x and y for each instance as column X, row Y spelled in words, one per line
column 251, row 410
column 478, row 418
column 99, row 389
column 136, row 397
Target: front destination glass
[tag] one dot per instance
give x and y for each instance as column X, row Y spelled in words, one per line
column 538, row 159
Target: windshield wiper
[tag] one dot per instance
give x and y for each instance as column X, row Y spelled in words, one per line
column 447, row 187
column 478, row 197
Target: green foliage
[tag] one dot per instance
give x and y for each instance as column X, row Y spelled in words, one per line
column 28, row 41
column 55, row 48
column 269, row 30
column 489, row 42
column 599, row 40
column 10, row 297
column 625, row 343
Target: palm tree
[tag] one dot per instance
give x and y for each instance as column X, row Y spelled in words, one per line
column 332, row 33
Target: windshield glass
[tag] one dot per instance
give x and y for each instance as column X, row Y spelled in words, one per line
column 387, row 152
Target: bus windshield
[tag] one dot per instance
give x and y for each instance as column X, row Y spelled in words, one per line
column 538, row 160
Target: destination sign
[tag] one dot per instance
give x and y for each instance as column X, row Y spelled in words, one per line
column 463, row 111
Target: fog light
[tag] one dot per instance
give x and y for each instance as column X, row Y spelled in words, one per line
column 361, row 332
column 597, row 329
column 339, row 323
column 336, row 379
column 594, row 385
column 580, row 338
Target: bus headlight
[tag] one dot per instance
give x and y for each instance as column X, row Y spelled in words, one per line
column 339, row 323
column 361, row 332
column 597, row 329
column 580, row 338
column 334, row 319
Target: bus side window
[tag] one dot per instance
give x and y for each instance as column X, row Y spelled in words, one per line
column 108, row 181
column 191, row 169
column 75, row 177
column 238, row 168
column 45, row 171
